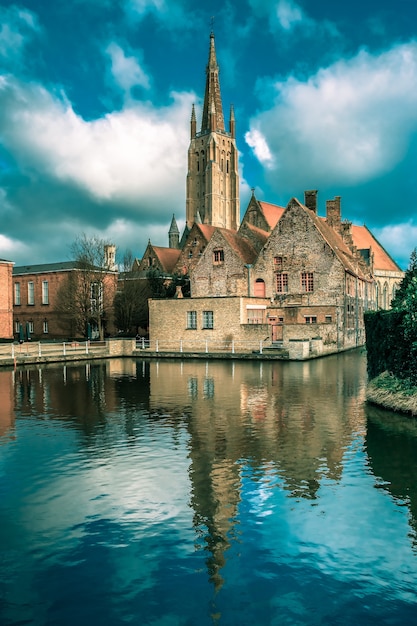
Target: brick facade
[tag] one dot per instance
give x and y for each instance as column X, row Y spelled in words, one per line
column 6, row 300
column 36, row 291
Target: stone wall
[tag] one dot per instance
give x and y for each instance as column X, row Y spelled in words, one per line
column 168, row 323
column 226, row 278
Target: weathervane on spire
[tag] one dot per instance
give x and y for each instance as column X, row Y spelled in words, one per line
column 212, row 23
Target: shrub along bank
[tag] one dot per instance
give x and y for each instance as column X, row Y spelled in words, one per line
column 391, row 343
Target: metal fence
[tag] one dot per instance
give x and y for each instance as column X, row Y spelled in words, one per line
column 207, row 346
column 41, row 349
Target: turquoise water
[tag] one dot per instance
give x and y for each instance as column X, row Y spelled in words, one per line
column 196, row 493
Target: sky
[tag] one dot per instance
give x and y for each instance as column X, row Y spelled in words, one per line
column 96, row 98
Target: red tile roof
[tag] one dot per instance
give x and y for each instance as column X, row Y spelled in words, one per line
column 167, row 257
column 272, row 212
column 240, row 245
column 206, row 230
column 363, row 239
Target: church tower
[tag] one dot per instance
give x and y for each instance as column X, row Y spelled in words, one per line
column 213, row 177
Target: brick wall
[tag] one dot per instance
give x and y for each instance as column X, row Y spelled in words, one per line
column 38, row 312
column 6, row 301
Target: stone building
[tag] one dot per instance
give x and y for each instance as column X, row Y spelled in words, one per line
column 6, row 301
column 282, row 275
column 213, row 176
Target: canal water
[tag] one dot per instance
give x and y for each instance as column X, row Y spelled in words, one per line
column 194, row 493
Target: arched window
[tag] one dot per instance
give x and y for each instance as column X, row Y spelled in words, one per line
column 385, row 297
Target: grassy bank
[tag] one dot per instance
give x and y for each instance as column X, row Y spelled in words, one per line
column 392, row 393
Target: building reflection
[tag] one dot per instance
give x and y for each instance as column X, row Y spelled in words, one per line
column 295, row 420
column 7, row 413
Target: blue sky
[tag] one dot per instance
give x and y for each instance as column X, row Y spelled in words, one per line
column 96, row 96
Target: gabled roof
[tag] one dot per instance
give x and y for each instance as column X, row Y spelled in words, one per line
column 262, row 235
column 364, row 239
column 336, row 243
column 239, row 244
column 167, row 257
column 206, row 230
column 272, row 212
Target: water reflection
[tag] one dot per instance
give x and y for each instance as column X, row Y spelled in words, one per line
column 265, row 481
column 391, row 444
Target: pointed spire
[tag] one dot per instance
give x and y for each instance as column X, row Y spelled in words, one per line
column 174, row 234
column 212, row 95
column 232, row 121
column 193, row 123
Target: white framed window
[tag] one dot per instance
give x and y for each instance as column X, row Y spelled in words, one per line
column 96, row 296
column 17, row 300
column 31, row 292
column 45, row 292
column 310, row 319
column 17, row 327
column 192, row 320
column 31, row 327
column 45, row 327
column 208, row 319
column 328, row 319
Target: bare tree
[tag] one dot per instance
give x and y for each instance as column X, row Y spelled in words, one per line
column 86, row 297
column 131, row 301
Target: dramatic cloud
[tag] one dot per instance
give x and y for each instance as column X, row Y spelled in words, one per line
column 348, row 123
column 121, row 156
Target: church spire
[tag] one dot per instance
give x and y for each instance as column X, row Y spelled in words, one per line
column 212, row 97
column 174, row 234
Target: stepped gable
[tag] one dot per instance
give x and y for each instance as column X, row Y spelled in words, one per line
column 364, row 240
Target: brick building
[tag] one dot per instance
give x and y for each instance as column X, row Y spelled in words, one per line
column 36, row 299
column 6, row 302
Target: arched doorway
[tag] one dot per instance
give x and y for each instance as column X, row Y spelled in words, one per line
column 259, row 288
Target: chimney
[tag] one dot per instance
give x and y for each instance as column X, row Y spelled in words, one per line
column 310, row 200
column 346, row 232
column 333, row 213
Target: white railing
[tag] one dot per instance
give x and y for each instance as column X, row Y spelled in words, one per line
column 205, row 346
column 40, row 349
